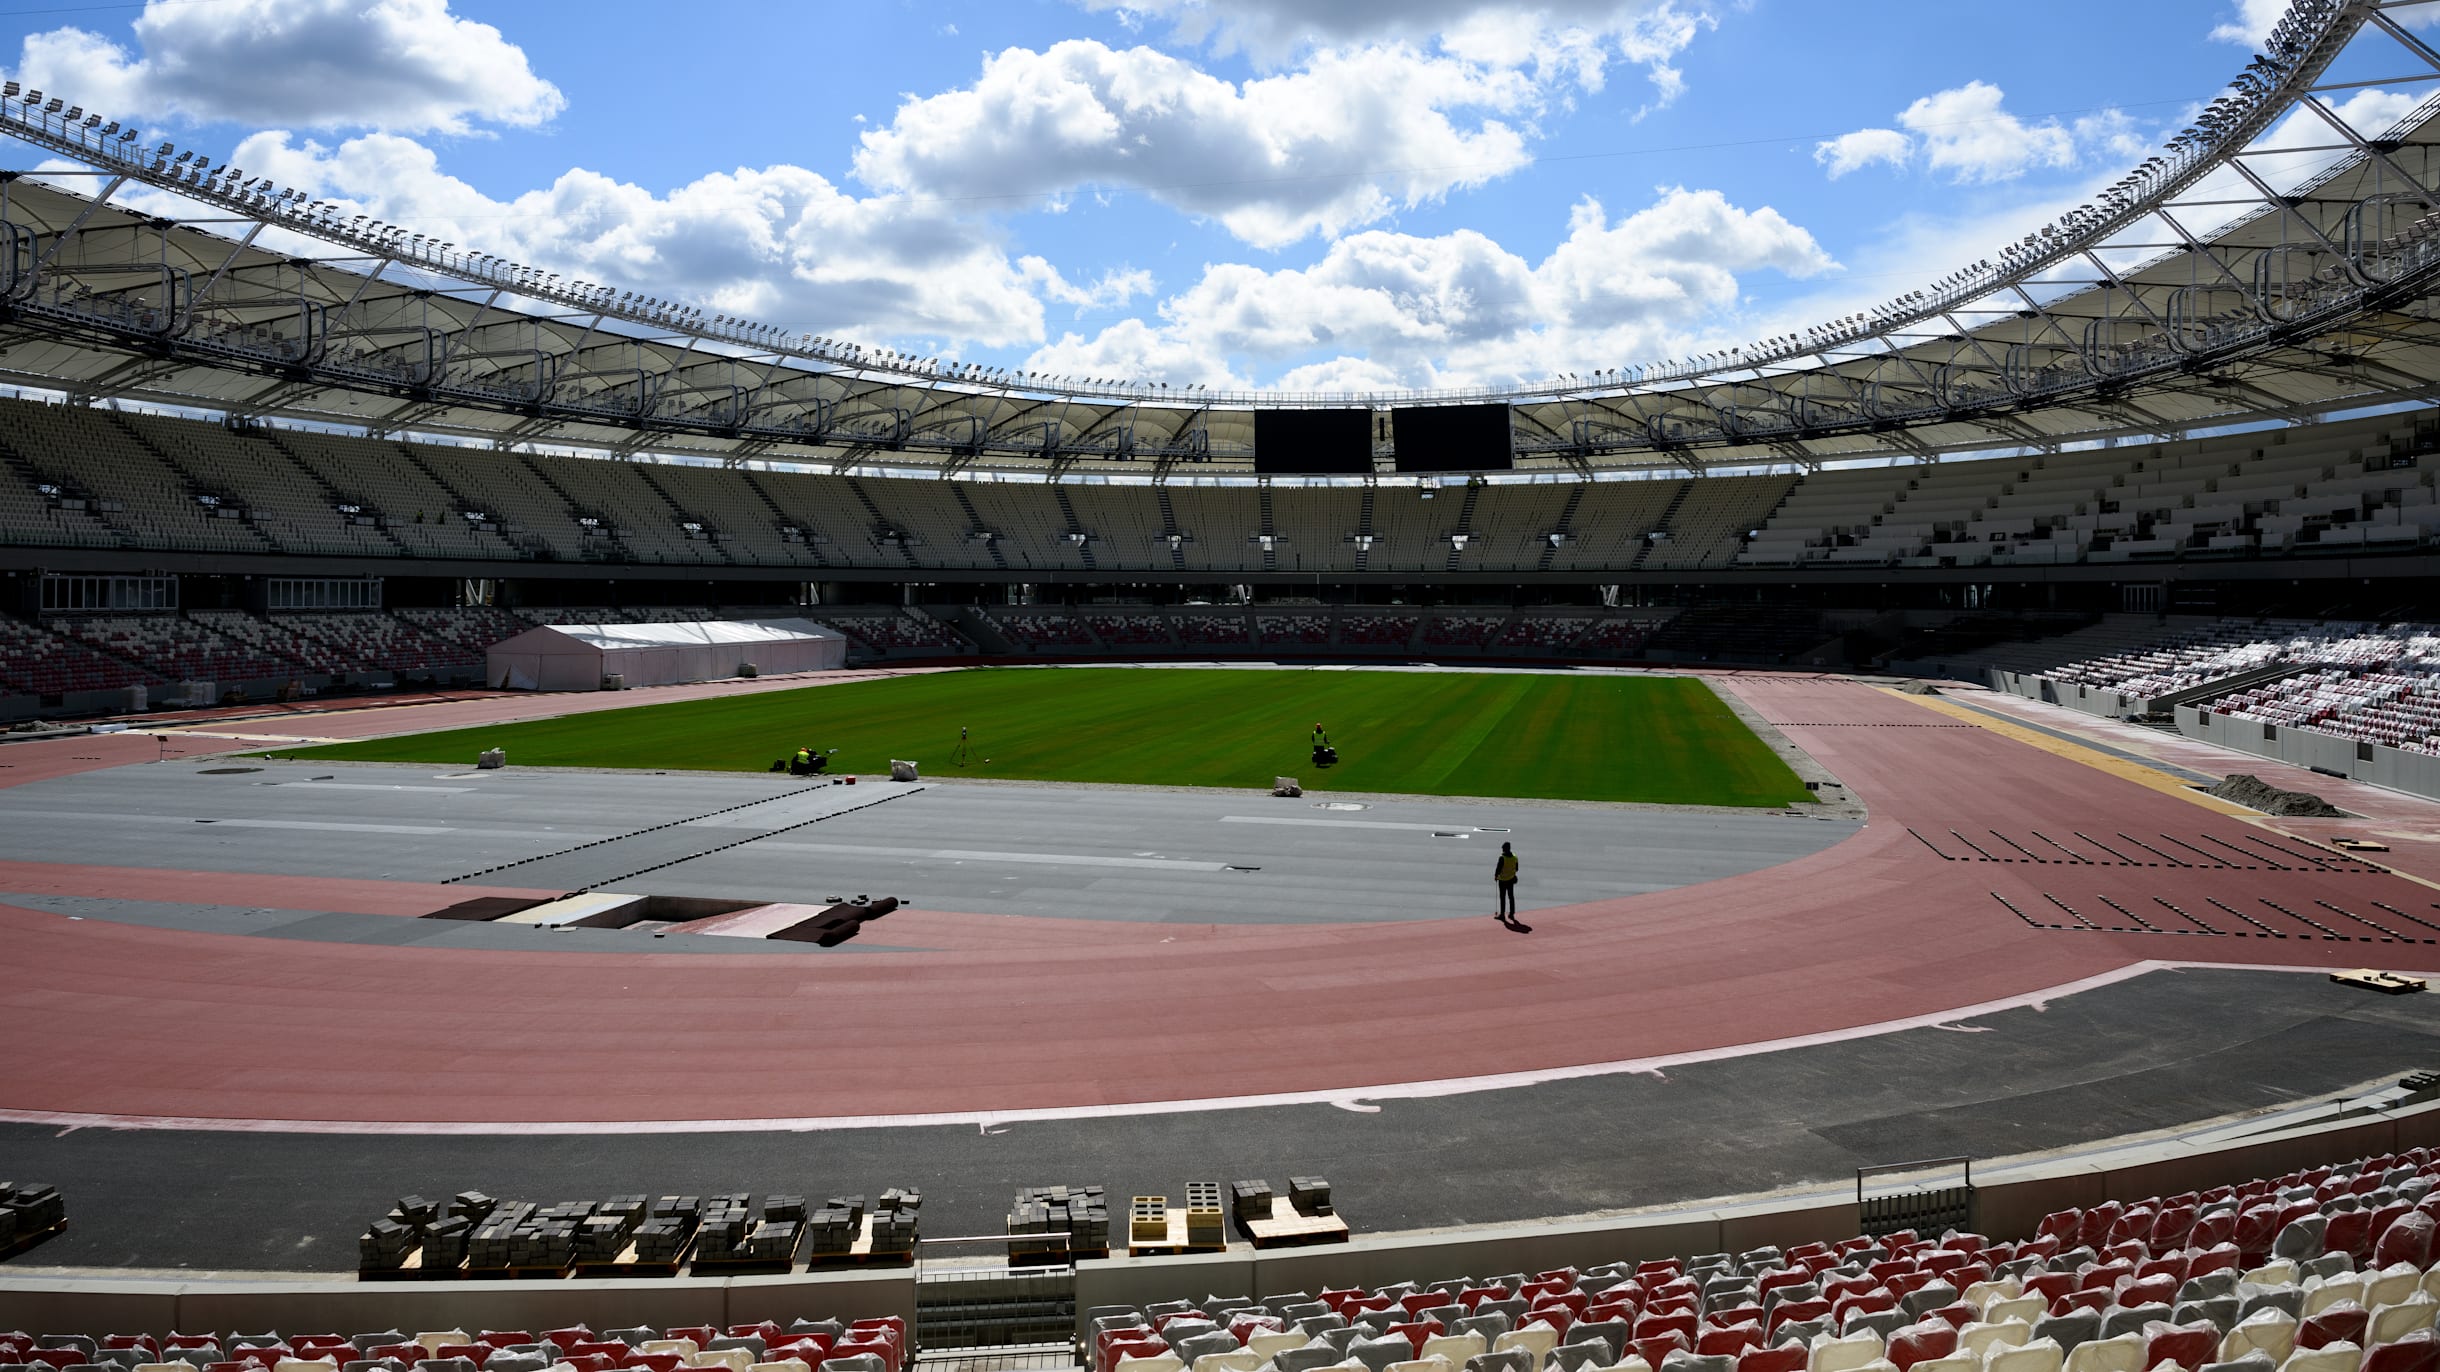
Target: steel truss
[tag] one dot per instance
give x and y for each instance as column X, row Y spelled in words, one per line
column 179, row 281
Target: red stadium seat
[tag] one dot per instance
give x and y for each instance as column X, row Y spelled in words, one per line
column 2340, row 1323
column 2190, row 1346
column 1787, row 1357
column 1920, row 1342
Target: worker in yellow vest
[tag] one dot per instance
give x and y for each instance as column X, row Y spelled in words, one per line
column 1506, row 875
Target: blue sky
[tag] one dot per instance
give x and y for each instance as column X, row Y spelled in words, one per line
column 1307, row 194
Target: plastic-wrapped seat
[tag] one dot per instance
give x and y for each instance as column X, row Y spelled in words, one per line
column 2121, row 1354
column 1306, row 1359
column 1378, row 1354
column 1510, row 1360
column 2390, row 1285
column 2337, row 1357
column 2344, row 1322
column 1843, row 1353
column 1980, row 1337
column 1458, row 1348
column 2040, row 1355
column 1234, row 1360
column 2070, row 1331
column 1611, row 1333
column 2417, row 1352
column 2187, row 1345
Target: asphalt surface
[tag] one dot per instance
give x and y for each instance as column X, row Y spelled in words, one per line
column 1199, row 856
column 2160, row 1051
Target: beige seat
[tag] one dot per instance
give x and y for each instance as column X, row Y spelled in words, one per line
column 2431, row 1278
column 795, row 1365
column 434, row 1340
column 1457, row 1348
column 684, row 1348
column 2269, row 1332
column 1982, row 1293
column 2321, row 1296
column 2122, row 1354
column 2041, row 1355
column 1977, row 1339
column 1534, row 1340
column 1159, row 1362
column 1422, row 1365
column 1955, row 1362
column 2393, row 1322
column 1833, row 1353
column 2332, row 1357
column 2279, row 1273
column 1242, row 1360
column 306, row 1365
column 1265, row 1342
column 2391, row 1285
column 2025, row 1308
column 734, row 1359
column 1634, row 1363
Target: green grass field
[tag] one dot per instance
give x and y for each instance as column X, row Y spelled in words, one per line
column 1656, row 739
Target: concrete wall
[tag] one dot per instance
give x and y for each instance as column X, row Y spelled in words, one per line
column 2092, row 700
column 2413, row 773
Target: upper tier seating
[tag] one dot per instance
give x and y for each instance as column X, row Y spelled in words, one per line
column 137, row 481
column 2326, row 1270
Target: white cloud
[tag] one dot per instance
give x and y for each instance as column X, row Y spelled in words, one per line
column 400, row 65
column 1855, row 151
column 781, row 245
column 1343, row 142
column 2253, row 22
column 1967, row 134
column 1556, row 39
column 1384, row 310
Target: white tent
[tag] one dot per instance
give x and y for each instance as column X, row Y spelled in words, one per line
column 576, row 657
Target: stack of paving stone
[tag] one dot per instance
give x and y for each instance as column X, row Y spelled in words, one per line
column 1205, row 1227
column 721, row 1233
column 835, row 1225
column 445, row 1238
column 603, row 1235
column 493, row 1242
column 1310, row 1195
column 1250, row 1200
column 783, row 1223
column 28, row 1208
column 1080, row 1212
column 385, row 1246
column 895, row 1220
column 663, row 1238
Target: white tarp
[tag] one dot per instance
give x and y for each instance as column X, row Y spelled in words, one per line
column 575, row 657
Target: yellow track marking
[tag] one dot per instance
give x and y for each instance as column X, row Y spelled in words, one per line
column 2122, row 768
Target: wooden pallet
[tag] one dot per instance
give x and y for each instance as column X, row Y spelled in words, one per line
column 1062, row 1258
column 2359, row 845
column 515, row 1273
column 1286, row 1228
column 2388, row 983
column 707, row 1266
column 26, row 1241
column 1173, row 1243
column 413, row 1269
column 861, row 1254
column 626, row 1265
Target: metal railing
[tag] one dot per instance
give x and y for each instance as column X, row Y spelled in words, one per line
column 1930, row 1209
column 1010, row 1307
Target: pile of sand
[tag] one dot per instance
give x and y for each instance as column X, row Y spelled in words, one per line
column 2254, row 793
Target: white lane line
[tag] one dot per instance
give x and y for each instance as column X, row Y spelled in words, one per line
column 321, row 824
column 366, row 786
column 1339, row 1096
column 1302, row 821
column 982, row 855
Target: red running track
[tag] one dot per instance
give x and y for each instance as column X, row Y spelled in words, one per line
column 1027, row 1014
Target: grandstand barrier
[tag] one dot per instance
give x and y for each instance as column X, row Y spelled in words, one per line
column 2010, row 1200
column 20, row 707
column 2375, row 764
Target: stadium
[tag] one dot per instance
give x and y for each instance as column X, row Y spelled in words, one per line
column 551, row 829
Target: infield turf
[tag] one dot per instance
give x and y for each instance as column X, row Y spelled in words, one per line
column 1651, row 739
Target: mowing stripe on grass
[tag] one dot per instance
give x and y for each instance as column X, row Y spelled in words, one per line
column 1493, row 734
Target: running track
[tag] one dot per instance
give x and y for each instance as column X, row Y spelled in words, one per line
column 117, row 1022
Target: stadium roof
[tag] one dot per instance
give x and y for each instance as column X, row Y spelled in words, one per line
column 2237, row 275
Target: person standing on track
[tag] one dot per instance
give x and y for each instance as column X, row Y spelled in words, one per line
column 1505, row 873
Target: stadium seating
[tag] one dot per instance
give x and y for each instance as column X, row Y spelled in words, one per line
column 879, row 1344
column 141, row 481
column 2329, row 1269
